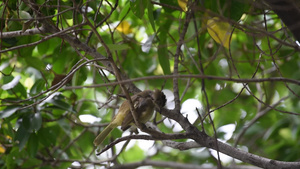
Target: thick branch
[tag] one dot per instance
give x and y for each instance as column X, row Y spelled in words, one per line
column 209, row 142
column 21, row 33
column 168, row 164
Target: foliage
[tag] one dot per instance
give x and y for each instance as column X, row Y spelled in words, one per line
column 56, row 68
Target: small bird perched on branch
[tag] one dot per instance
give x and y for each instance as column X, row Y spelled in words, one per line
column 144, row 104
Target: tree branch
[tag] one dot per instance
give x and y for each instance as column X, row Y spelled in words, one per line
column 175, row 165
column 204, row 140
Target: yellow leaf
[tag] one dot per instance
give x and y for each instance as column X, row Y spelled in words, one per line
column 2, row 149
column 8, row 137
column 183, row 4
column 124, row 27
column 220, row 31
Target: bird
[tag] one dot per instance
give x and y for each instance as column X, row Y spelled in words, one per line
column 144, row 104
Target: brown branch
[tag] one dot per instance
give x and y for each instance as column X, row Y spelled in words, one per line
column 161, row 164
column 176, row 60
column 153, row 136
column 208, row 77
column 19, row 33
column 42, row 30
column 209, row 142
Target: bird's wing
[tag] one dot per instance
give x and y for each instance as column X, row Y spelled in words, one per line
column 143, row 106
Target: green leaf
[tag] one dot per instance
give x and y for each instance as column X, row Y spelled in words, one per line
column 43, row 47
column 65, row 126
column 124, row 11
column 35, row 62
column 237, row 9
column 233, row 9
column 8, row 111
column 37, row 87
column 13, row 86
column 22, row 136
column 163, row 58
column 47, row 136
column 138, row 7
column 33, row 145
column 9, row 42
column 150, row 16
column 80, row 77
column 163, row 55
column 27, row 51
column 62, row 105
column 135, row 153
column 32, row 163
column 68, row 14
column 32, row 122
column 20, row 89
column 7, row 129
column 169, row 3
column 10, row 159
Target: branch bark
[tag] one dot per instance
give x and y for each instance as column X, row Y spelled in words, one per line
column 204, row 140
column 175, row 165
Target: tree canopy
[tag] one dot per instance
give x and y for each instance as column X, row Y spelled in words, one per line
column 229, row 69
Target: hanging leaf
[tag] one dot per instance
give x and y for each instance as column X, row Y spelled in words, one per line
column 37, row 87
column 124, row 11
column 2, row 149
column 35, row 62
column 22, row 136
column 62, row 105
column 138, row 7
column 237, row 9
column 32, row 122
column 183, row 4
column 33, row 144
column 220, row 31
column 163, row 56
column 124, row 27
column 47, row 136
column 150, row 16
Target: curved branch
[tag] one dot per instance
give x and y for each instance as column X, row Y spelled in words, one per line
column 209, row 142
column 32, row 31
column 177, row 165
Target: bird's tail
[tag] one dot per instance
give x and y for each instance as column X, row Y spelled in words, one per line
column 100, row 138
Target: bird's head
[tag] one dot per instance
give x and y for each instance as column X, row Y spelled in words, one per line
column 159, row 98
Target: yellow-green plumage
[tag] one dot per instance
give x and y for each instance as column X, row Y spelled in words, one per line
column 100, row 138
column 144, row 103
